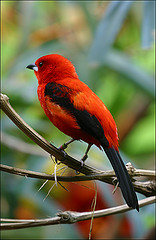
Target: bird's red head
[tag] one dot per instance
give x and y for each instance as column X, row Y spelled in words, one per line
column 53, row 67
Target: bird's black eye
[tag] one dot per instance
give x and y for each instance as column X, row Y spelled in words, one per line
column 40, row 64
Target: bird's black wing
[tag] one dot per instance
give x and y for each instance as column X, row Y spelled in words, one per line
column 60, row 95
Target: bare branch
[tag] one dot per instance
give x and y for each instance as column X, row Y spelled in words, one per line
column 69, row 217
column 38, row 139
column 147, row 188
column 65, row 158
column 78, row 216
column 32, row 174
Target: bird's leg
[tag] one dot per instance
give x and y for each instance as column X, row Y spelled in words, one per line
column 65, row 145
column 84, row 158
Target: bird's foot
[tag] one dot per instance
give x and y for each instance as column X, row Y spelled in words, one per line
column 62, row 151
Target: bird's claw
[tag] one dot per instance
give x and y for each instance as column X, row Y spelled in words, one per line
column 82, row 164
column 64, row 153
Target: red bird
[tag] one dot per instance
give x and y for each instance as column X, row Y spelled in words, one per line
column 78, row 112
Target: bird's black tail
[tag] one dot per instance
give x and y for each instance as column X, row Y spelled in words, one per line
column 125, row 183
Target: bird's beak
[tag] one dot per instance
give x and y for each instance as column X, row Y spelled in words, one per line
column 33, row 67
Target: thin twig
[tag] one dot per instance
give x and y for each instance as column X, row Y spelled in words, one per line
column 33, row 174
column 50, row 191
column 69, row 216
column 93, row 210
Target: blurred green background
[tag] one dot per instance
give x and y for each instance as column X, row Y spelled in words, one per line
column 111, row 45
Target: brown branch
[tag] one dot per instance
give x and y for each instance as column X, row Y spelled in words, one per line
column 32, row 174
column 38, row 139
column 69, row 217
column 147, row 188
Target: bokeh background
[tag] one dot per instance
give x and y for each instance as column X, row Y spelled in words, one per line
column 111, row 45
